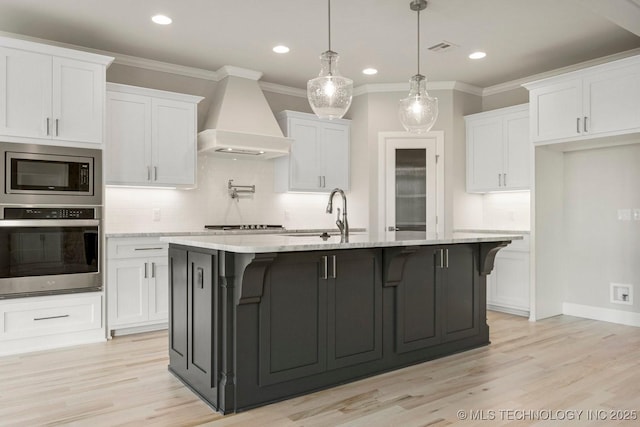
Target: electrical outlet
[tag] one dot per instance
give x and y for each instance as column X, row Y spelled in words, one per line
column 155, row 214
column 621, row 293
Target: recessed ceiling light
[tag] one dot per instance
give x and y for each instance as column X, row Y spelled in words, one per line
column 281, row 49
column 477, row 55
column 161, row 19
column 369, row 71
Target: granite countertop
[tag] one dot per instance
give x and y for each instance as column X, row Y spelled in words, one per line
column 262, row 243
column 225, row 232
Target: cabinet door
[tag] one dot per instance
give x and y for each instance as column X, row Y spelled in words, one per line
column 305, row 155
column 460, row 292
column 159, row 288
column 612, row 101
column 508, row 284
column 335, row 157
column 293, row 319
column 25, row 93
column 128, row 292
column 78, row 100
column 128, row 144
column 201, row 354
column 174, row 142
column 355, row 308
column 485, row 154
column 556, row 111
column 178, row 307
column 518, row 151
column 417, row 308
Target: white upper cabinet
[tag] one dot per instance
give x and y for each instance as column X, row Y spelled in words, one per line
column 319, row 158
column 151, row 137
column 51, row 95
column 596, row 102
column 498, row 150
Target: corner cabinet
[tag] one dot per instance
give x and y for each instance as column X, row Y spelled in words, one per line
column 599, row 101
column 137, row 285
column 319, row 158
column 151, row 137
column 51, row 95
column 499, row 151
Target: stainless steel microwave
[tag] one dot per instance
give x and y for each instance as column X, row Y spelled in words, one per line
column 51, row 175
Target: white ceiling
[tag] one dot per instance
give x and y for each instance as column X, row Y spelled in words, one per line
column 521, row 37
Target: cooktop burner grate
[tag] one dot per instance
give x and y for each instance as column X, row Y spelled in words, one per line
column 244, row 227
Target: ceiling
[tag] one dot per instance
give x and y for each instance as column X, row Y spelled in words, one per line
column 521, row 37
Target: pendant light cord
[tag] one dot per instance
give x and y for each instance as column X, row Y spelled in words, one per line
column 418, row 41
column 329, row 20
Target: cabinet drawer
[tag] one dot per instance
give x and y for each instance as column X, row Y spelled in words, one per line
column 138, row 247
column 32, row 317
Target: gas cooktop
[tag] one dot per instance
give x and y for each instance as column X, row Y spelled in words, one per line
column 245, row 227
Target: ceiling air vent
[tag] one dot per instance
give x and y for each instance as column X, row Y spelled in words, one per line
column 443, row 46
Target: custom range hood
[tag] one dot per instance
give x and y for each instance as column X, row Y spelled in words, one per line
column 240, row 121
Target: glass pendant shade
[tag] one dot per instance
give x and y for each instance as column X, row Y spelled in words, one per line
column 329, row 94
column 418, row 111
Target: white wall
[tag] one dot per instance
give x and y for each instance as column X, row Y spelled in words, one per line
column 601, row 248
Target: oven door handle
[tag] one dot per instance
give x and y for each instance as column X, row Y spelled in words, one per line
column 49, row 222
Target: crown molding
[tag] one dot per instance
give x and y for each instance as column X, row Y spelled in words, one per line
column 166, row 67
column 283, row 90
column 518, row 83
column 403, row 87
column 230, row 70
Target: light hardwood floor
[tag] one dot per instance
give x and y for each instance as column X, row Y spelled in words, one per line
column 556, row 365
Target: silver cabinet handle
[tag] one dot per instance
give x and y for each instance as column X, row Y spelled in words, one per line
column 51, row 317
column 504, row 179
column 153, row 270
column 585, row 124
column 499, row 180
column 441, row 258
column 148, row 173
column 334, row 267
column 147, row 249
column 155, row 173
column 319, row 181
column 446, row 258
column 57, row 126
column 326, row 268
column 145, row 270
column 47, row 125
column 578, row 125
column 324, row 181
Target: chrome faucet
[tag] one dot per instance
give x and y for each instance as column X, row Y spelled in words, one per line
column 343, row 224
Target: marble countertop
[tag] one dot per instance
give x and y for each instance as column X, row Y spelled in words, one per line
column 490, row 230
column 263, row 243
column 205, row 232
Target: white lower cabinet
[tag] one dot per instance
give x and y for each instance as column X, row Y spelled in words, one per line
column 508, row 283
column 40, row 323
column 137, row 285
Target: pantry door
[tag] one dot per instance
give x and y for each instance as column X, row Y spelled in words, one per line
column 412, row 185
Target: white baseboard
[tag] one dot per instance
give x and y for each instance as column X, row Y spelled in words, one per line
column 508, row 310
column 119, row 331
column 629, row 318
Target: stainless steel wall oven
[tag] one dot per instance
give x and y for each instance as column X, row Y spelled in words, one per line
column 50, row 220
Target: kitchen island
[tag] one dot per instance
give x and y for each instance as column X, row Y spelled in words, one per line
column 259, row 318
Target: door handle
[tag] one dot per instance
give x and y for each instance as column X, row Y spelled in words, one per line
column 504, row 179
column 441, row 258
column 153, row 270
column 148, row 173
column 57, row 126
column 335, row 273
column 325, row 276
column 324, row 181
column 578, row 125
column 200, row 275
column 155, row 173
column 319, row 181
column 585, row 124
column 446, row 258
column 47, row 120
column 145, row 270
column 499, row 180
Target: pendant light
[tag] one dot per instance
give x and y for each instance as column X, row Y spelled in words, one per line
column 329, row 94
column 418, row 111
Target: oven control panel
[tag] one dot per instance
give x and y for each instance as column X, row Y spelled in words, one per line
column 49, row 213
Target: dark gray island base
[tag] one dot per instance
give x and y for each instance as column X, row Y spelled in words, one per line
column 248, row 329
